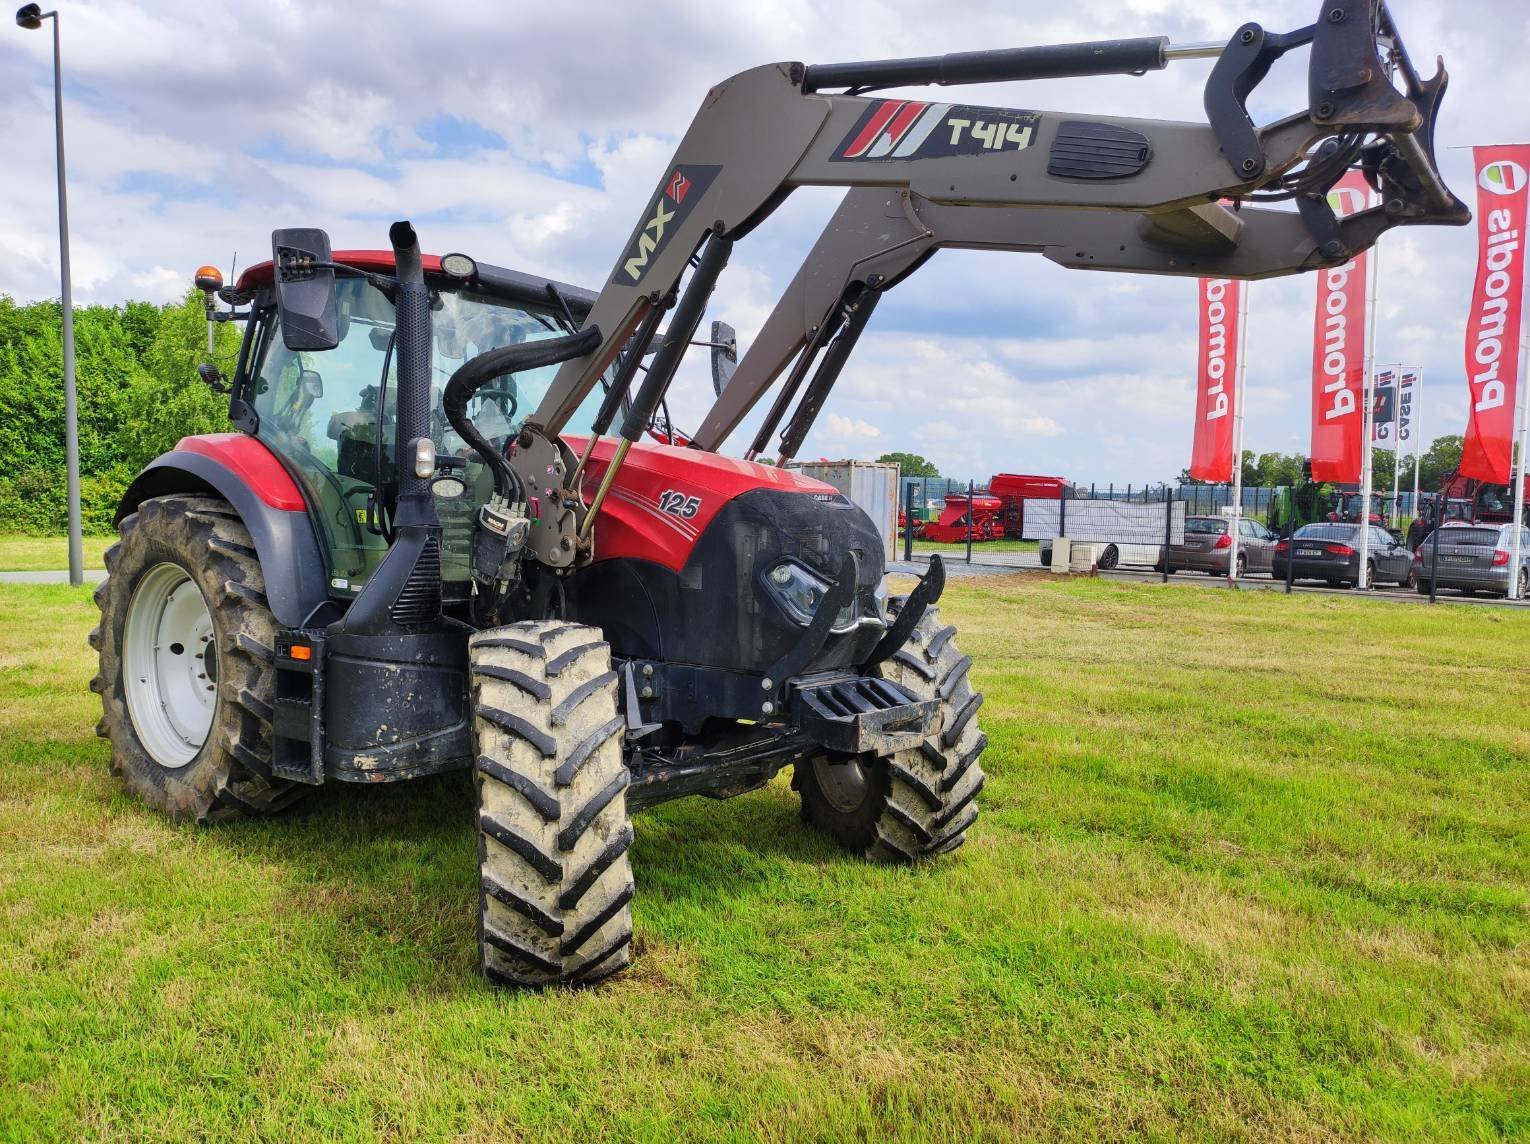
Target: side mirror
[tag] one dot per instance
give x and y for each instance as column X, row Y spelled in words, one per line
column 305, row 290
column 311, row 384
column 724, row 355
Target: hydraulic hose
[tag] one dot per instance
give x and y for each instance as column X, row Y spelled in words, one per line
column 474, row 373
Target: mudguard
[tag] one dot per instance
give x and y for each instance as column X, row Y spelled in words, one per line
column 245, row 473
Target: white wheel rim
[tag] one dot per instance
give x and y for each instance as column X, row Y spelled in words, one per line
column 170, row 665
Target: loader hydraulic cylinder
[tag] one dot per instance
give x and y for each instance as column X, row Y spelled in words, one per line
column 1048, row 61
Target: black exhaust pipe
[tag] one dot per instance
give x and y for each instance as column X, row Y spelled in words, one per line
column 406, row 588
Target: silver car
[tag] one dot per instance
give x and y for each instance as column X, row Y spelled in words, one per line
column 1208, row 545
column 1474, row 558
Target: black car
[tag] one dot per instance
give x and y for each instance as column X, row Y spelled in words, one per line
column 1331, row 552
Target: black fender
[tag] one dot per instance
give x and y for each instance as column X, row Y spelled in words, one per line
column 290, row 557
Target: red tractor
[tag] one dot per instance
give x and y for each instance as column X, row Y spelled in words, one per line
column 423, row 549
column 1479, row 501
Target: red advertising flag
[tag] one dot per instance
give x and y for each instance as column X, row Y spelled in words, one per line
column 1211, row 456
column 1493, row 327
column 1338, row 352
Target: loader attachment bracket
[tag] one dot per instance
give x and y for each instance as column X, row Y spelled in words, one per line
column 924, row 595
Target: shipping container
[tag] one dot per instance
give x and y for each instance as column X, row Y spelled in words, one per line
column 871, row 484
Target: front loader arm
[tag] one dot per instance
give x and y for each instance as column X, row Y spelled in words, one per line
column 1149, row 183
column 883, row 235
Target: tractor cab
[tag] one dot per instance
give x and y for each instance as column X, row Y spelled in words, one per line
column 331, row 413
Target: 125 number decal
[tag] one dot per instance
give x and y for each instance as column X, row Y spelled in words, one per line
column 678, row 504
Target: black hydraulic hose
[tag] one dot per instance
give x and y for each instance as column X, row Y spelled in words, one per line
column 472, row 374
column 1047, row 61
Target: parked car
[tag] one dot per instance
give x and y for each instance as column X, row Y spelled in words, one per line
column 1108, row 556
column 1331, row 552
column 1207, row 546
column 1474, row 558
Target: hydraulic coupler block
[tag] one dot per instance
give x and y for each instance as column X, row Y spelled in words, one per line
column 498, row 540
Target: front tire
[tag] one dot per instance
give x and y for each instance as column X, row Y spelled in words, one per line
column 555, row 883
column 186, row 675
column 916, row 803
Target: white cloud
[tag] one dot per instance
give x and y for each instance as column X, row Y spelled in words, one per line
column 195, row 129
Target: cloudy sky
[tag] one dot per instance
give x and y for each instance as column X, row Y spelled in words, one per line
column 532, row 135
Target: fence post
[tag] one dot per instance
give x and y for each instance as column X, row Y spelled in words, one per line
column 1168, row 530
column 908, row 524
column 969, row 521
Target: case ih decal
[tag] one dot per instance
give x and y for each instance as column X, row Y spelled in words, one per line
column 908, row 129
column 683, row 187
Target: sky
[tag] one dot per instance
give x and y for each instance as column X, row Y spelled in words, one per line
column 532, row 136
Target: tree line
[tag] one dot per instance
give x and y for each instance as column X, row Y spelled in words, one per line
column 139, row 393
column 1273, row 470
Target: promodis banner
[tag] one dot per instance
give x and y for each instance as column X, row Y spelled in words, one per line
column 1492, row 328
column 1211, row 456
column 1338, row 352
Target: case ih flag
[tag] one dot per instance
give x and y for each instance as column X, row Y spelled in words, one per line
column 1384, row 409
column 1493, row 327
column 1211, row 456
column 1338, row 352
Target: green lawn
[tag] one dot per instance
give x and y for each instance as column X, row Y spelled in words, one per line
column 1223, row 887
column 47, row 553
column 960, row 547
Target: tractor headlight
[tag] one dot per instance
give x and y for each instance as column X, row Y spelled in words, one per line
column 799, row 591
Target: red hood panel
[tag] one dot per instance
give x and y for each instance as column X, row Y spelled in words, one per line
column 666, row 495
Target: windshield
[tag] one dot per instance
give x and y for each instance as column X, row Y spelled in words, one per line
column 1328, row 532
column 326, row 412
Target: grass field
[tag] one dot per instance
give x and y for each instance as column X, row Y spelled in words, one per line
column 978, row 546
column 1225, row 885
column 47, row 553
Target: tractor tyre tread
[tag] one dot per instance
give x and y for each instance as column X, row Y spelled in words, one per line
column 555, row 879
column 921, row 801
column 231, row 776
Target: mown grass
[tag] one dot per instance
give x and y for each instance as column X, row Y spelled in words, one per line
column 48, row 553
column 1249, row 867
column 947, row 547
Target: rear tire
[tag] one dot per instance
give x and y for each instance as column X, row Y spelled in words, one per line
column 1242, row 566
column 555, row 882
column 192, row 556
column 1422, row 587
column 1110, row 558
column 916, row 803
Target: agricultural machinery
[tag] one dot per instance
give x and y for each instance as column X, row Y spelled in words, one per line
column 998, row 512
column 423, row 547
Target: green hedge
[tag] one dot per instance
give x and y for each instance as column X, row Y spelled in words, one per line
column 139, row 393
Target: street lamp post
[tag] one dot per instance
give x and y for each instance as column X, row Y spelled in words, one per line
column 31, row 16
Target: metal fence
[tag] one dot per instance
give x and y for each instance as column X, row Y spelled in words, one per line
column 1267, row 504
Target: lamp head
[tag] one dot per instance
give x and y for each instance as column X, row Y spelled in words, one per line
column 29, row 16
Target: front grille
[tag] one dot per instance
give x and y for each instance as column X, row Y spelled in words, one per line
column 420, row 601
